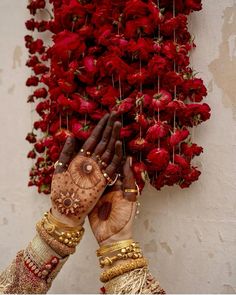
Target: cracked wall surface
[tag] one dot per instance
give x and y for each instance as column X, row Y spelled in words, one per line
column 188, row 235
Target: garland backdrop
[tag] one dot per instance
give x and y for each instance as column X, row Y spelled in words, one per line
column 128, row 56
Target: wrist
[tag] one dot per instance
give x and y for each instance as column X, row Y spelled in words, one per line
column 71, row 222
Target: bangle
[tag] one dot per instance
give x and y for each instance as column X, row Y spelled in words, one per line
column 58, row 247
column 69, row 236
column 131, row 252
column 122, row 268
column 114, row 247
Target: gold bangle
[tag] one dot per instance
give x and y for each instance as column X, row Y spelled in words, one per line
column 122, row 268
column 57, row 246
column 59, row 224
column 69, row 236
column 114, row 247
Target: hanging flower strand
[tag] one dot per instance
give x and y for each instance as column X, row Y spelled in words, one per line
column 131, row 56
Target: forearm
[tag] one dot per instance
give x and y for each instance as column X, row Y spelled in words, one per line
column 34, row 269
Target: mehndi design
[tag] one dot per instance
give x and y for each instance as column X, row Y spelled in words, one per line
column 74, row 190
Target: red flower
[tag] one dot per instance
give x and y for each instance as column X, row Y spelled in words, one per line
column 158, row 130
column 139, row 144
column 172, row 79
column 140, row 49
column 32, row 81
column 193, row 4
column 81, row 130
column 62, row 135
column 125, row 105
column 178, row 136
column 36, row 4
column 31, row 137
column 160, row 100
column 64, row 43
column 85, row 106
column 40, row 68
column 158, row 65
column 159, row 158
column 40, row 93
column 110, row 97
column 194, row 89
column 181, row 161
column 191, row 150
column 39, row 147
column 31, row 155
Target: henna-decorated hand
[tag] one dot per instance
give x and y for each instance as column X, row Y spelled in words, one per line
column 112, row 218
column 76, row 188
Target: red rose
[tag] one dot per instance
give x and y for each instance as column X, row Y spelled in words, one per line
column 128, row 131
column 158, row 65
column 32, row 81
column 39, row 147
column 160, row 100
column 31, row 155
column 81, row 130
column 140, row 49
column 159, row 158
column 40, row 68
column 172, row 169
column 36, row 4
column 191, row 150
column 31, row 137
column 85, row 106
column 62, row 135
column 32, row 61
column 159, row 182
column 139, row 144
column 97, row 114
column 158, row 130
column 40, row 93
column 172, row 79
column 142, row 121
column 64, row 43
column 125, row 105
column 193, row 4
column 194, row 89
column 181, row 161
column 178, row 136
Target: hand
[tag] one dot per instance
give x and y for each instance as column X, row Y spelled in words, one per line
column 112, row 218
column 76, row 189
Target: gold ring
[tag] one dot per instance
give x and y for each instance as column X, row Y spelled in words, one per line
column 131, row 190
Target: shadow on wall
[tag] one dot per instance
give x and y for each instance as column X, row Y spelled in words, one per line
column 223, row 68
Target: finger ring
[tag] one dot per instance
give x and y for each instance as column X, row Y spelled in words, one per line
column 58, row 164
column 131, row 190
column 112, row 182
column 102, row 163
column 107, row 177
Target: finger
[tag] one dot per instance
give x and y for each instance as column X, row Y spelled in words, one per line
column 96, row 135
column 129, row 181
column 116, row 160
column 66, row 155
column 109, row 152
column 106, row 135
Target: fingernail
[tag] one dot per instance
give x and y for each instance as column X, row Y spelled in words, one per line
column 130, row 161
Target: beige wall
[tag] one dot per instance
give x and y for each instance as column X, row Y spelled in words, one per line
column 188, row 235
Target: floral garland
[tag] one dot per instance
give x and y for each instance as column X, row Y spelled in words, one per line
column 131, row 56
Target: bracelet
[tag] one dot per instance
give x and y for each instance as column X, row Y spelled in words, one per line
column 131, row 252
column 70, row 236
column 122, row 268
column 114, row 247
column 58, row 247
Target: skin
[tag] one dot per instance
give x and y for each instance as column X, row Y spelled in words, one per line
column 112, row 218
column 79, row 182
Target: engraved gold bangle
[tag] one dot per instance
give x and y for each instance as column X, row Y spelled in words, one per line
column 114, row 247
column 59, row 224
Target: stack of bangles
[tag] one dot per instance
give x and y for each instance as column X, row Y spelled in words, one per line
column 61, row 237
column 120, row 251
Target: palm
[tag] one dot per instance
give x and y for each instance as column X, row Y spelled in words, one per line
column 113, row 215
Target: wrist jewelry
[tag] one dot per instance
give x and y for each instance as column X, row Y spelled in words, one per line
column 114, row 247
column 131, row 252
column 69, row 236
column 122, row 268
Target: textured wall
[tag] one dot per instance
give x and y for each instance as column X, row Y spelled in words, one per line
column 188, row 235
